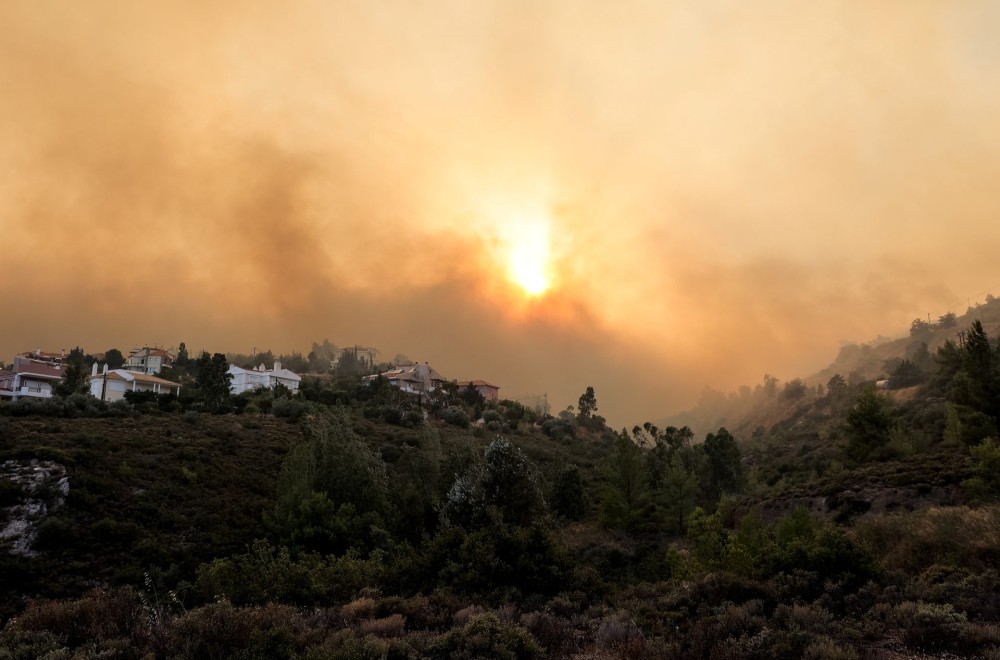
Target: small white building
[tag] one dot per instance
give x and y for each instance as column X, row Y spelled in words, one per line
column 246, row 380
column 111, row 385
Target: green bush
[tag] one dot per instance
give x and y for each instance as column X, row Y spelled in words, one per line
column 929, row 626
column 268, row 574
column 486, row 636
column 456, row 416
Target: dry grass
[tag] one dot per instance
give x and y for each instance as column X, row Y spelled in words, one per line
column 952, row 536
column 463, row 616
column 359, row 608
column 389, row 626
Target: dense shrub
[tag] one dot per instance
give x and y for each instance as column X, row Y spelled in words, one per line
column 486, row 636
column 950, row 536
column 456, row 416
column 268, row 574
column 291, row 409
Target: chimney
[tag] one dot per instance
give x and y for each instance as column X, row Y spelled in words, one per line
column 277, row 365
column 105, row 367
column 93, row 370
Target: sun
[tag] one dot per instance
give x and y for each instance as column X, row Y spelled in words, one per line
column 528, row 258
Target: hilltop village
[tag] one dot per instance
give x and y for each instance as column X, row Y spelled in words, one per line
column 175, row 378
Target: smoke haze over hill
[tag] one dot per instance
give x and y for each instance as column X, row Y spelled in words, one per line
column 727, row 189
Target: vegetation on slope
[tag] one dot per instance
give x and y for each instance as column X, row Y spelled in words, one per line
column 827, row 522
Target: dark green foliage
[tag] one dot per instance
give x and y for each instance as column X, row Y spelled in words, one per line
column 332, row 490
column 456, row 416
column 382, row 576
column 986, row 482
column 114, row 358
column 587, row 405
column 268, row 574
column 626, row 494
column 321, row 357
column 867, row 426
column 74, row 380
column 502, row 562
column 558, row 428
column 836, row 386
column 213, row 380
column 676, row 495
column 293, row 410
column 794, row 389
column 725, row 472
column 182, row 360
column 905, row 374
column 486, row 636
column 569, row 499
column 471, row 396
column 503, row 487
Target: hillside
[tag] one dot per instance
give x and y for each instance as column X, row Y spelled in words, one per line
column 768, row 404
column 833, row 522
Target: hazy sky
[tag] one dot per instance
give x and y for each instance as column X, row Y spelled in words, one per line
column 712, row 190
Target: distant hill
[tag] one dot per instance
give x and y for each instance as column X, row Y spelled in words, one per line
column 767, row 404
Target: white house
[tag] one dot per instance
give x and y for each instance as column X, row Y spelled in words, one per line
column 111, row 385
column 245, row 380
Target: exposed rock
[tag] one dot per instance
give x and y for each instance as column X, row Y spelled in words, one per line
column 46, row 486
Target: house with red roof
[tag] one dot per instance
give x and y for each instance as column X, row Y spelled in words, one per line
column 31, row 377
column 148, row 360
column 412, row 378
column 490, row 393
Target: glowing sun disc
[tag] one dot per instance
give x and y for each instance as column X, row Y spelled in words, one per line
column 529, row 261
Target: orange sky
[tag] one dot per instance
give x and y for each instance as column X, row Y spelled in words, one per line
column 727, row 188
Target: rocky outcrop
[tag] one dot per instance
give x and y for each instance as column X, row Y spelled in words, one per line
column 45, row 487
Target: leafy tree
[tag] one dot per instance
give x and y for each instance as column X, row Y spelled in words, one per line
column 568, row 497
column 587, row 405
column 769, row 388
column 678, row 494
column 867, row 426
column 456, row 416
column 794, row 389
column 708, row 538
column 182, row 356
column 74, row 380
column 905, row 374
column 921, row 357
column 503, row 488
column 980, row 364
column 948, row 361
column 332, row 490
column 948, row 320
column 294, row 362
column 627, row 490
column 213, row 379
column 114, row 358
column 919, row 327
column 321, row 357
column 350, row 367
column 986, row 480
column 836, row 386
column 470, row 395
column 725, row 471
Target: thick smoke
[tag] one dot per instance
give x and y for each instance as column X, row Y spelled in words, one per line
column 732, row 189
